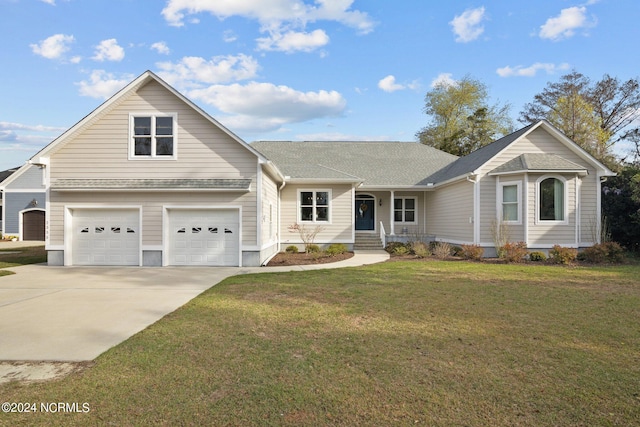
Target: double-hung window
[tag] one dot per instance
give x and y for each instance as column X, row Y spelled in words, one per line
column 509, row 198
column 551, row 199
column 404, row 209
column 153, row 136
column 315, row 206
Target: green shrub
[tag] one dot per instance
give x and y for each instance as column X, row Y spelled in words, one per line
column 312, row 249
column 400, row 250
column 441, row 250
column 537, row 256
column 336, row 249
column 391, row 247
column 474, row 252
column 561, row 255
column 292, row 249
column 420, row 249
column 603, row 252
column 513, row 252
column 456, row 250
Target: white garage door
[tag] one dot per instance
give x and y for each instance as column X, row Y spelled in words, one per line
column 105, row 237
column 204, row 237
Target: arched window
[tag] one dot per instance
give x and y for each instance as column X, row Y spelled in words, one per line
column 551, row 200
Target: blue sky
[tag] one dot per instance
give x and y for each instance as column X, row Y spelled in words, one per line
column 295, row 69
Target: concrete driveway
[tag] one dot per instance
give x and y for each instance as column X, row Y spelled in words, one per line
column 77, row 313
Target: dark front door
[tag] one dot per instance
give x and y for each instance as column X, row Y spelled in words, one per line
column 33, row 225
column 365, row 213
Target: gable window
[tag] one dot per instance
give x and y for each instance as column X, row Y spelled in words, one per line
column 551, row 199
column 153, row 136
column 509, row 202
column 314, row 206
column 404, row 209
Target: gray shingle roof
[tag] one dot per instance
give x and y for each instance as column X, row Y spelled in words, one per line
column 473, row 161
column 537, row 162
column 401, row 164
column 149, row 184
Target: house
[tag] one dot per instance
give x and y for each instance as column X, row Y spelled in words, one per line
column 149, row 178
column 23, row 204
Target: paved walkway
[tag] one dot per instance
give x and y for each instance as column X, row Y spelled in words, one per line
column 77, row 313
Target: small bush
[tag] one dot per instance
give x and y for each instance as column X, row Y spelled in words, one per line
column 561, row 255
column 312, row 249
column 336, row 249
column 474, row 252
column 513, row 252
column 441, row 250
column 456, row 250
column 537, row 256
column 603, row 252
column 391, row 247
column 420, row 249
column 400, row 250
column 293, row 249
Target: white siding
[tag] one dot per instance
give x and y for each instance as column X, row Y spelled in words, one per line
column 340, row 227
column 450, row 212
column 540, row 141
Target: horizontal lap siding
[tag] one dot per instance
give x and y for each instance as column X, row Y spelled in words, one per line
column 339, row 229
column 152, row 208
column 449, row 210
column 204, row 151
column 540, row 141
column 269, row 210
column 101, row 150
column 30, row 179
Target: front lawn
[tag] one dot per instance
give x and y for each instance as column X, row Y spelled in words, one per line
column 21, row 256
column 400, row 343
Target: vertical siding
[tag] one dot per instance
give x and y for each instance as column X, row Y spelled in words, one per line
column 449, row 212
column 341, row 215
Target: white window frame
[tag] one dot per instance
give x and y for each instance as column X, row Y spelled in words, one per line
column 404, row 209
column 565, row 202
column 500, row 202
column 314, row 206
column 153, row 156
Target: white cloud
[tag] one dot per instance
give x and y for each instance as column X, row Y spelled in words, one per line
column 271, row 13
column 468, row 26
column 53, row 47
column 531, row 70
column 444, row 79
column 229, row 36
column 388, row 84
column 265, row 106
column 51, row 2
column 161, row 48
column 566, row 24
column 102, row 84
column 108, row 50
column 11, row 126
column 293, row 41
column 194, row 71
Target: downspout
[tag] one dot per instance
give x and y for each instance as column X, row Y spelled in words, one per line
column 472, row 177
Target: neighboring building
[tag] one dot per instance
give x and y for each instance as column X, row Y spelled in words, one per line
column 149, row 178
column 23, row 204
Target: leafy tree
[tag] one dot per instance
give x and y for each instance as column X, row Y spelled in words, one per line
column 621, row 207
column 461, row 119
column 615, row 108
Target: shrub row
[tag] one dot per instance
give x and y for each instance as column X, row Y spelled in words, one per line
column 333, row 249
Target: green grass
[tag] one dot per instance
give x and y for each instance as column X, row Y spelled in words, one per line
column 27, row 255
column 400, row 343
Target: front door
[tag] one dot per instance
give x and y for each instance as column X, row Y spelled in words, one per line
column 365, row 213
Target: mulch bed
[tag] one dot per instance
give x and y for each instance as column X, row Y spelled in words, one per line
column 301, row 258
